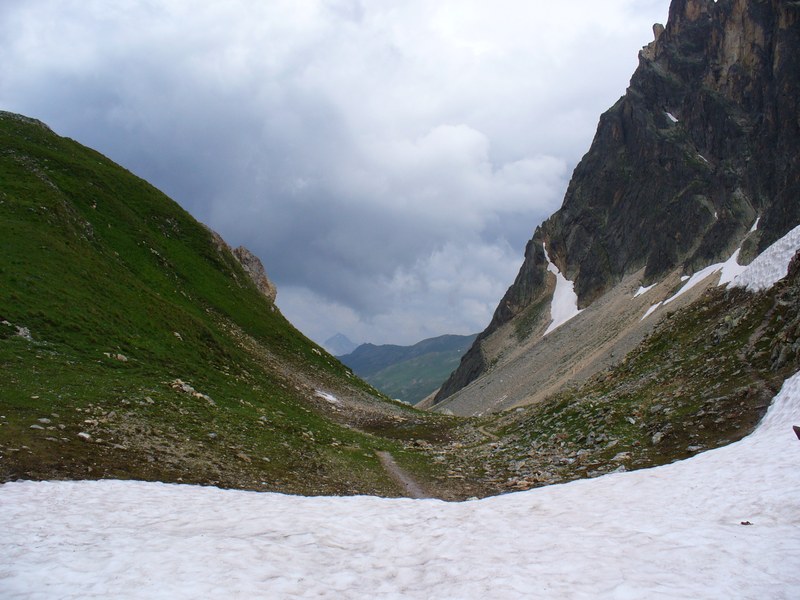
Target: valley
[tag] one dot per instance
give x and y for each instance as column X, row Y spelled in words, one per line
column 625, row 425
column 408, row 373
column 195, row 394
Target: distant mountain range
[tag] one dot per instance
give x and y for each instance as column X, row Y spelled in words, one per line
column 408, row 373
column 339, row 345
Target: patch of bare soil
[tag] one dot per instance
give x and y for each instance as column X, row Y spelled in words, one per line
column 410, row 487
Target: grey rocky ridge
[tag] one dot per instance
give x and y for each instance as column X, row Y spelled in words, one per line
column 704, row 144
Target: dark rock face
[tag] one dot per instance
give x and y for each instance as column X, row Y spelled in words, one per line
column 657, row 193
column 530, row 284
column 705, row 140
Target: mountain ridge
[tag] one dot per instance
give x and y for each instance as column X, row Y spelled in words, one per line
column 704, row 142
column 369, row 358
column 408, row 373
column 131, row 351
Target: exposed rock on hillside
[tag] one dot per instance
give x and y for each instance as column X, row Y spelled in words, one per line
column 251, row 264
column 705, row 141
column 253, row 267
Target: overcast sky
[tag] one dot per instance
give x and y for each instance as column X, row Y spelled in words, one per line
column 386, row 159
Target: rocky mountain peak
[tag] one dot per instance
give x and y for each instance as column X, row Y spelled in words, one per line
column 689, row 11
column 705, row 141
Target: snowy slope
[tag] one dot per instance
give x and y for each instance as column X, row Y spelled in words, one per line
column 766, row 270
column 564, row 304
column 670, row 532
column 772, row 265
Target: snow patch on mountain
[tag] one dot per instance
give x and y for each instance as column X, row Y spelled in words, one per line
column 766, row 270
column 327, row 397
column 731, row 269
column 650, row 310
column 564, row 304
column 772, row 265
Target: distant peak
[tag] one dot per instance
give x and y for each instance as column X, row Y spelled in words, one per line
column 339, row 345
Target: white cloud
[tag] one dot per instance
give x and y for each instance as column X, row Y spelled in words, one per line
column 353, row 145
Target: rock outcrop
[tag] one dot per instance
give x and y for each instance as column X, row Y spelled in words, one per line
column 251, row 264
column 253, row 267
column 705, row 141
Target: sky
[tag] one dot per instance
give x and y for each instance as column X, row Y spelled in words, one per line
column 386, row 160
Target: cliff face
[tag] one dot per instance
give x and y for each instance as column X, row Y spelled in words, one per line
column 705, row 141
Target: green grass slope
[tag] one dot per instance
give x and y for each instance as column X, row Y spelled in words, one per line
column 409, row 373
column 151, row 354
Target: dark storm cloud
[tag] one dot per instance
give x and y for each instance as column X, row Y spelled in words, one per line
column 388, row 161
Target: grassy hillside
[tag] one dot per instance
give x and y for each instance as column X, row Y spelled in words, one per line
column 409, row 373
column 134, row 345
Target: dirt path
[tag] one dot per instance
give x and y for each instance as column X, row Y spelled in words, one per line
column 410, row 487
column 492, row 437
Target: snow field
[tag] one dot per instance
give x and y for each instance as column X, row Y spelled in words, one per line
column 669, row 532
column 766, row 270
column 772, row 265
